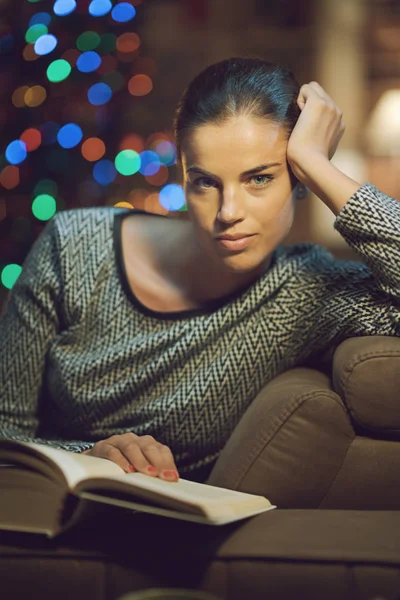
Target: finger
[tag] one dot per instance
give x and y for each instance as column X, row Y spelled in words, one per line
column 106, row 450
column 132, row 452
column 306, row 92
column 161, row 457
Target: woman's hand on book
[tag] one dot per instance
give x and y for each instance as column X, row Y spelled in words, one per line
column 137, row 453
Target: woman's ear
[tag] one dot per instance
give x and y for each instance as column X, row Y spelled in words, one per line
column 301, row 191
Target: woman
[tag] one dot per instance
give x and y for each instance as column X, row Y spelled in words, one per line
column 143, row 339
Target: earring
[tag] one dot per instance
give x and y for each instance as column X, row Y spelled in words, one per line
column 301, row 191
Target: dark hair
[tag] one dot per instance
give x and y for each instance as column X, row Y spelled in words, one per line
column 237, row 86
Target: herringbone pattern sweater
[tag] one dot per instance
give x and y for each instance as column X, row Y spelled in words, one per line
column 81, row 358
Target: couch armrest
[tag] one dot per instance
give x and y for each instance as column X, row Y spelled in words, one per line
column 366, row 375
column 291, row 442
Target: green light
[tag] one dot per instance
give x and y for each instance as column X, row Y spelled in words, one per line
column 108, row 42
column 10, row 274
column 35, row 32
column 58, row 70
column 127, row 162
column 44, row 207
column 88, row 41
column 45, row 186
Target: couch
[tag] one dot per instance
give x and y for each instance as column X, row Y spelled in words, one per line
column 323, row 444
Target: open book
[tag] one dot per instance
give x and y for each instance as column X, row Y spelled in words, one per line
column 46, row 490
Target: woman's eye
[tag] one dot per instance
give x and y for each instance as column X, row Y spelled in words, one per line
column 204, row 182
column 261, row 180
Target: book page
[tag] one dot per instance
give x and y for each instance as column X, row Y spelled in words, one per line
column 208, row 500
column 77, row 466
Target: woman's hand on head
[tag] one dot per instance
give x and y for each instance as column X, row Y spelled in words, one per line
column 317, row 132
column 137, row 453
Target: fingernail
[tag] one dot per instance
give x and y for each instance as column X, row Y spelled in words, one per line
column 131, row 468
column 170, row 474
column 151, row 469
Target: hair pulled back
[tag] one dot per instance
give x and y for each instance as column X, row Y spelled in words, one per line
column 233, row 87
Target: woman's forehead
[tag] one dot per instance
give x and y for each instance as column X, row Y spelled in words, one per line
column 243, row 139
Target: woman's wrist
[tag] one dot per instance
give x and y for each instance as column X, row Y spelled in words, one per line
column 325, row 180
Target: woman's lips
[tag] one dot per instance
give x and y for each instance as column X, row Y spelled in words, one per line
column 239, row 244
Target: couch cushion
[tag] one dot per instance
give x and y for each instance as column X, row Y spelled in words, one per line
column 366, row 375
column 280, row 554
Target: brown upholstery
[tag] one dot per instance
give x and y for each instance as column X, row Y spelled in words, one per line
column 308, row 441
column 313, row 441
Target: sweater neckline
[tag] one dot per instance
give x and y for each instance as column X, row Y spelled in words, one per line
column 208, row 308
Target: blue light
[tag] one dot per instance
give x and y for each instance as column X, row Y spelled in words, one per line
column 16, row 152
column 99, row 93
column 99, row 8
column 150, row 164
column 70, row 135
column 123, row 12
column 88, row 61
column 45, row 44
column 64, row 7
column 104, row 172
column 41, row 18
column 6, row 43
column 172, row 197
column 49, row 132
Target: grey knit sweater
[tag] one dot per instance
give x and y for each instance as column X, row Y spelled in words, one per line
column 82, row 359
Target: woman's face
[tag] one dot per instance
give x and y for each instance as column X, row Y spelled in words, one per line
column 236, row 180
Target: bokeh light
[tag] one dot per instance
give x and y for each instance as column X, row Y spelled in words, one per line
column 132, row 141
column 128, row 42
column 89, row 40
column 104, row 172
column 71, row 56
column 172, row 197
column 123, row 12
column 107, row 42
column 45, row 44
column 18, row 97
column 35, row 96
column 44, row 207
column 115, row 81
column 10, row 274
column 42, row 18
column 167, row 153
column 93, row 149
column 46, row 186
column 64, row 7
column 88, row 61
column 158, row 178
column 49, row 131
column 123, row 204
column 99, row 93
column 150, row 162
column 35, row 32
column 140, row 85
column 99, row 8
column 9, row 177
column 69, row 135
column 6, row 43
column 29, row 53
column 32, row 138
column 16, row 152
column 108, row 65
column 127, row 162
column 58, row 70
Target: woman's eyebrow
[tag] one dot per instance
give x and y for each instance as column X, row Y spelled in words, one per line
column 197, row 169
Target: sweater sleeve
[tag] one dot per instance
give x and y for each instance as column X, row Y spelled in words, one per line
column 351, row 298
column 32, row 318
